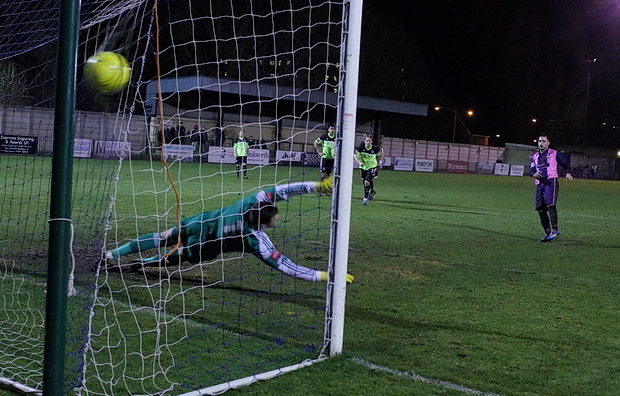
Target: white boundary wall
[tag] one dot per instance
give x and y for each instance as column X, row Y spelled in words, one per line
column 33, row 121
column 441, row 152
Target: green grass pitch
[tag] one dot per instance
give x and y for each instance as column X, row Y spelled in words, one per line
column 452, row 286
column 452, row 293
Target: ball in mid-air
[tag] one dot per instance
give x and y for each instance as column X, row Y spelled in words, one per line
column 107, row 72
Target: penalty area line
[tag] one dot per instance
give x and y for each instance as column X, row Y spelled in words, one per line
column 419, row 378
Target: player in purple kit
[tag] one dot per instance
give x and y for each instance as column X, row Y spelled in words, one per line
column 544, row 169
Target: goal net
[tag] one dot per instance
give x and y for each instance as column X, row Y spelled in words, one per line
column 148, row 159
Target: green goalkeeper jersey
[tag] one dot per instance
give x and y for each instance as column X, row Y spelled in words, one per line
column 242, row 146
column 208, row 234
column 226, row 226
column 369, row 156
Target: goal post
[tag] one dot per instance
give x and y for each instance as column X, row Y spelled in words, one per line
column 60, row 222
column 342, row 215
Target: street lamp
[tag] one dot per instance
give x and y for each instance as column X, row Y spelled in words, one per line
column 437, row 108
column 470, row 113
column 585, row 116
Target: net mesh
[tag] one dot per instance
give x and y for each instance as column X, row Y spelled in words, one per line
column 147, row 158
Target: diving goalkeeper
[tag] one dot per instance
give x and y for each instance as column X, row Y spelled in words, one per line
column 235, row 228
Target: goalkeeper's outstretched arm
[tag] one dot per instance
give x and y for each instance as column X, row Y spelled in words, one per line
column 268, row 254
column 286, row 191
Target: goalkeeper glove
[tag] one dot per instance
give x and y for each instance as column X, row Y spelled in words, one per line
column 324, row 277
column 325, row 186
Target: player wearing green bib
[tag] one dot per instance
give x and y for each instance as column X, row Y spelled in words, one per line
column 370, row 159
column 242, row 146
column 239, row 227
column 325, row 146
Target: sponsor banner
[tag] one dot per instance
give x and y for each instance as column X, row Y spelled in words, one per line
column 110, row 149
column 82, row 148
column 12, row 144
column 222, row 155
column 226, row 155
column 181, row 152
column 517, row 170
column 485, row 168
column 424, row 165
column 312, row 159
column 258, row 157
column 502, row 169
column 457, row 166
column 403, row 164
column 292, row 156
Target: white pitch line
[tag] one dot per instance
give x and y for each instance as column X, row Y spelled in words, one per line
column 419, row 378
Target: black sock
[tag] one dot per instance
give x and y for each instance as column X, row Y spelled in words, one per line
column 366, row 191
column 553, row 213
column 544, row 220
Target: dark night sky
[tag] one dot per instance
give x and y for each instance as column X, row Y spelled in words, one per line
column 510, row 61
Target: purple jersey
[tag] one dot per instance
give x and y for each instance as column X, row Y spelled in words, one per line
column 547, row 164
column 547, row 187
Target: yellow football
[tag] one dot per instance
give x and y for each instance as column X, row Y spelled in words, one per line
column 107, row 72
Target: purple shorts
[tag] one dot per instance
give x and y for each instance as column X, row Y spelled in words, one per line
column 547, row 193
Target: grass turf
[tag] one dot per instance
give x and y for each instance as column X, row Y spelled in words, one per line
column 451, row 285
